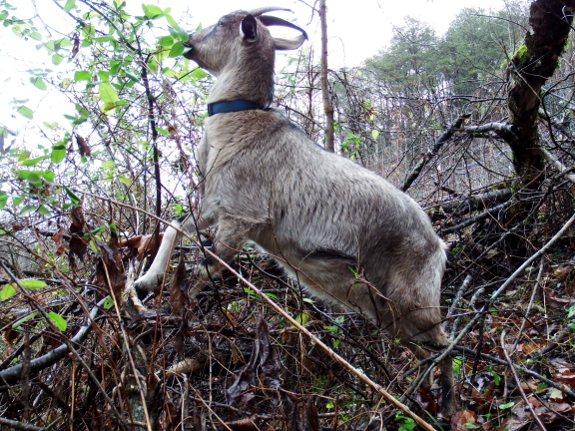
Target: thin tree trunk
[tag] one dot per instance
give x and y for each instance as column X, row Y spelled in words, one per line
column 527, row 72
column 327, row 105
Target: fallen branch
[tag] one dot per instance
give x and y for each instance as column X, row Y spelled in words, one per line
column 69, row 344
column 474, row 219
column 12, row 375
column 474, row 202
column 558, row 165
column 21, row 426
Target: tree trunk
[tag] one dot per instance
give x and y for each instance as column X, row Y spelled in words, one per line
column 327, row 105
column 527, row 72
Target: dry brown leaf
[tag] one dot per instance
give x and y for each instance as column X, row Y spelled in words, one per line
column 83, row 147
column 462, row 417
column 140, row 246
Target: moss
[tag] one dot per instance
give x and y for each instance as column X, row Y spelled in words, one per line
column 520, row 56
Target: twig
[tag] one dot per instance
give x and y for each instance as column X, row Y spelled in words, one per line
column 70, row 346
column 458, row 297
column 531, row 300
column 471, row 304
column 518, row 382
column 432, row 152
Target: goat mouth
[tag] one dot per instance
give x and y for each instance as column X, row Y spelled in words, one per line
column 188, row 48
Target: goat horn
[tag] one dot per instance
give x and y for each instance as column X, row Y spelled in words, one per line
column 261, row 10
column 272, row 20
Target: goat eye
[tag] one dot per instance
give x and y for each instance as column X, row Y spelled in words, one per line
column 220, row 24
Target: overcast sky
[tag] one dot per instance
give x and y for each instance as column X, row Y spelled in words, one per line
column 357, row 29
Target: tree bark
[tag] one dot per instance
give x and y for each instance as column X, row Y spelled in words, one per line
column 527, row 72
column 327, row 105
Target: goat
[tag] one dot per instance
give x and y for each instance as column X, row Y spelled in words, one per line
column 325, row 218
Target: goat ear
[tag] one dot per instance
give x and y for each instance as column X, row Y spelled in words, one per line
column 249, row 28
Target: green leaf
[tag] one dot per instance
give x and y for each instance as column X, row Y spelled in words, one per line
column 38, row 83
column 170, row 20
column 302, row 318
column 35, row 35
column 181, row 33
column 199, row 73
column 69, row 5
column 27, row 209
column 107, row 107
column 81, row 75
column 75, row 199
column 65, row 83
column 7, row 292
column 43, row 211
column 109, row 164
column 26, row 112
column 507, row 406
column 18, row 323
column 57, row 59
column 153, row 64
column 34, row 178
column 374, row 134
column 166, row 41
column 58, row 153
column 125, row 180
column 108, row 303
column 30, row 283
column 58, row 320
column 176, row 50
column 98, row 230
column 49, row 175
column 107, row 93
column 169, row 72
column 104, row 76
column 496, row 378
column 152, row 11
column 3, row 199
column 104, row 39
column 32, row 162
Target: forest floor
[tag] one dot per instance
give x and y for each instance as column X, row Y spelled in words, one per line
column 229, row 360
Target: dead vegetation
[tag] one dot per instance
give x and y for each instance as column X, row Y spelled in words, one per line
column 228, row 360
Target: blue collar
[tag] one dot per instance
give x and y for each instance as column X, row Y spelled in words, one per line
column 232, row 106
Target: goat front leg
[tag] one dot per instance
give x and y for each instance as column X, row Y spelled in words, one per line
column 155, row 274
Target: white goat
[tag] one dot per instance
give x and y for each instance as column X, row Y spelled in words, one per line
column 324, row 218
